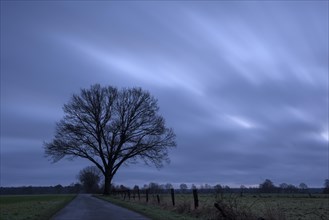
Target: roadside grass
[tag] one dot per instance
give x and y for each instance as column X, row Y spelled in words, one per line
column 32, row 207
column 149, row 210
column 274, row 207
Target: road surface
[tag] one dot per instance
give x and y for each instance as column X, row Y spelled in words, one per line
column 86, row 207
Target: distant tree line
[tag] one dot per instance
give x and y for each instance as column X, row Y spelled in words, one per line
column 30, row 190
column 268, row 187
column 265, row 187
column 90, row 182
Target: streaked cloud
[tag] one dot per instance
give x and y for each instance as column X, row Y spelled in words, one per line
column 163, row 72
column 241, row 121
column 244, row 84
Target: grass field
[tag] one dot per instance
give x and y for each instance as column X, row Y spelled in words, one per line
column 31, row 207
column 274, row 207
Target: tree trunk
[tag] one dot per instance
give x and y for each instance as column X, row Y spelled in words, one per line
column 107, row 184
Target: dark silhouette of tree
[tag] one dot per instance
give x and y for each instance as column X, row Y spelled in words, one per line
column 292, row 188
column 242, row 189
column 112, row 127
column 283, row 187
column 154, row 187
column 123, row 188
column 75, row 188
column 267, row 186
column 168, row 186
column 227, row 189
column 183, row 188
column 218, row 188
column 303, row 187
column 58, row 188
column 90, row 177
column 326, row 186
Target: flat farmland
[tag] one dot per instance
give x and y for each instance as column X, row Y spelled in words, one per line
column 293, row 208
column 31, row 207
column 232, row 206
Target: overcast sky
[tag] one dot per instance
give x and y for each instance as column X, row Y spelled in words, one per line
column 244, row 85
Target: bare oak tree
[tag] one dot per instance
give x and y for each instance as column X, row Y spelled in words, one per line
column 112, row 127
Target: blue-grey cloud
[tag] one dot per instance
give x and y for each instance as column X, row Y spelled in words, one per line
column 243, row 84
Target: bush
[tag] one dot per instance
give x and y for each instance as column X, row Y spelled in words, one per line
column 231, row 208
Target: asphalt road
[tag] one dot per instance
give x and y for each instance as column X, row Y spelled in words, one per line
column 86, row 207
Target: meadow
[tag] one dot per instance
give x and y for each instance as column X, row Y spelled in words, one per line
column 31, row 207
column 230, row 206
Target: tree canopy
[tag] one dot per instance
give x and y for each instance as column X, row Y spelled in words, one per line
column 112, row 127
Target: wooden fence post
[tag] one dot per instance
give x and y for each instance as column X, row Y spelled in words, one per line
column 139, row 195
column 128, row 194
column 158, row 198
column 147, row 195
column 196, row 200
column 172, row 191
